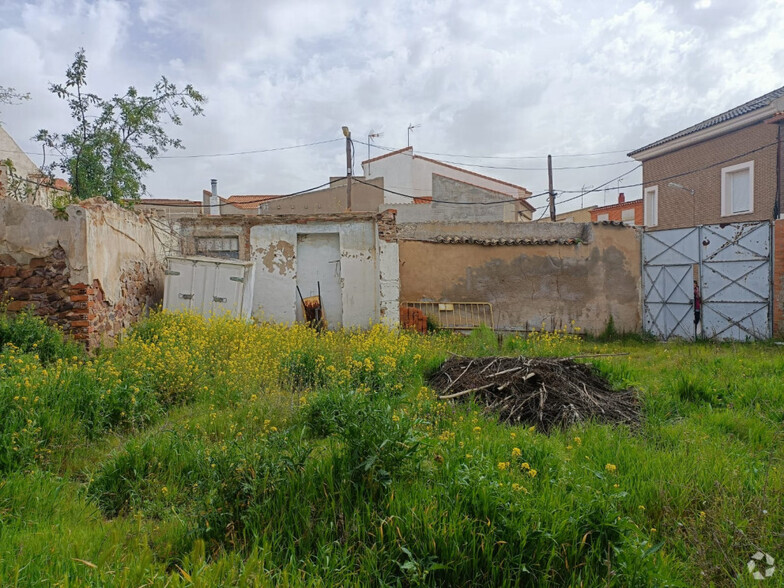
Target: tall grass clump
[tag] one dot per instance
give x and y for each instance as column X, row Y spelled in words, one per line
column 32, row 334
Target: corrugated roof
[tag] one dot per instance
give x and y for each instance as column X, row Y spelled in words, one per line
column 745, row 108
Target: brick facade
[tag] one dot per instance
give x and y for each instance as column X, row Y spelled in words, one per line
column 778, row 278
column 614, row 212
column 701, row 166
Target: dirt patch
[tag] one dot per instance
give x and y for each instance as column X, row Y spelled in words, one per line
column 545, row 392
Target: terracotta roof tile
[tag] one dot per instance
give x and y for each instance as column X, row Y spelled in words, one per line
column 627, row 204
column 168, row 202
column 459, row 239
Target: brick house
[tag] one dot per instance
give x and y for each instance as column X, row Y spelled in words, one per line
column 630, row 213
column 724, row 169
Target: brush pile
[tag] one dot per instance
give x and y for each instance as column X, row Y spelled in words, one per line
column 545, row 392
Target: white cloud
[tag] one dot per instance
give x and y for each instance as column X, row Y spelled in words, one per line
column 495, row 78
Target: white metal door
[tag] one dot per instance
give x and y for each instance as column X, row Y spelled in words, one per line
column 318, row 265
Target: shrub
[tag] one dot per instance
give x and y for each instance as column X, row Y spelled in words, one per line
column 377, row 440
column 32, row 334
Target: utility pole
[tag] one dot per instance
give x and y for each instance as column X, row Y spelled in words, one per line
column 347, row 135
column 552, row 194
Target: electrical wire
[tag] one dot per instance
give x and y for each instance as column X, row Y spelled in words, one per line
column 248, row 152
column 201, row 155
column 507, row 167
column 681, row 174
column 254, row 201
column 503, row 156
column 490, row 203
column 599, row 187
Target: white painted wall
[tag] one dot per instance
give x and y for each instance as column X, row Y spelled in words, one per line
column 273, row 251
column 398, row 173
column 413, row 175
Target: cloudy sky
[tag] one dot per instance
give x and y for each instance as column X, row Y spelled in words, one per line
column 493, row 85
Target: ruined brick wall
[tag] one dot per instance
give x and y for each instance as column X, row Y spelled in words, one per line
column 93, row 273
column 80, row 310
column 105, row 321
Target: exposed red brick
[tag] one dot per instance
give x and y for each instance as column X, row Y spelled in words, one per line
column 413, row 318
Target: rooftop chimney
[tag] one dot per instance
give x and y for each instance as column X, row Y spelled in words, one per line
column 621, row 198
column 214, row 200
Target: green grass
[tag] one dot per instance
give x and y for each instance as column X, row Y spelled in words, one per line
column 219, row 453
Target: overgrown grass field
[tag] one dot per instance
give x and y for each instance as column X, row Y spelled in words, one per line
column 217, row 453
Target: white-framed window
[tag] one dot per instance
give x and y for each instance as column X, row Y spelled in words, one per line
column 737, row 189
column 627, row 216
column 651, row 204
column 602, row 217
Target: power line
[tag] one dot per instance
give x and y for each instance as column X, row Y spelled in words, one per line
column 490, row 203
column 248, row 152
column 681, row 174
column 254, row 201
column 201, row 155
column 599, row 187
column 624, row 151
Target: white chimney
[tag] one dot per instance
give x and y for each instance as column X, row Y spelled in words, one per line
column 214, row 200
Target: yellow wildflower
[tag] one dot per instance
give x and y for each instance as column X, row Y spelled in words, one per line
column 516, row 452
column 611, row 468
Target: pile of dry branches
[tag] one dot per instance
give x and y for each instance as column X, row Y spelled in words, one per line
column 546, row 392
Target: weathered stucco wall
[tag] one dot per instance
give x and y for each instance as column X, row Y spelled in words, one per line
column 94, row 273
column 331, row 200
column 566, row 272
column 119, row 239
column 274, row 252
column 369, row 289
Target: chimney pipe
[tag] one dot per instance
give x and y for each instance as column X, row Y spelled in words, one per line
column 214, row 200
column 621, row 198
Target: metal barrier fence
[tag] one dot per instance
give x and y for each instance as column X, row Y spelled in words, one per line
column 457, row 315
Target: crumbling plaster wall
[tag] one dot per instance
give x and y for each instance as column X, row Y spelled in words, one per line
column 94, row 272
column 274, row 253
column 557, row 278
column 119, row 238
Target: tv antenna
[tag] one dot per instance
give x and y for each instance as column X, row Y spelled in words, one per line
column 371, row 136
column 411, row 127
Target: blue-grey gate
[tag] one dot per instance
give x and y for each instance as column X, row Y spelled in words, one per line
column 732, row 264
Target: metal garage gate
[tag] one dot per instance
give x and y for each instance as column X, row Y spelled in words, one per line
column 732, row 263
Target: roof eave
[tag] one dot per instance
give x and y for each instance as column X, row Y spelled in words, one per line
column 734, row 124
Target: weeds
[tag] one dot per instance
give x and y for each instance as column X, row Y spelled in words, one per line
column 214, row 452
